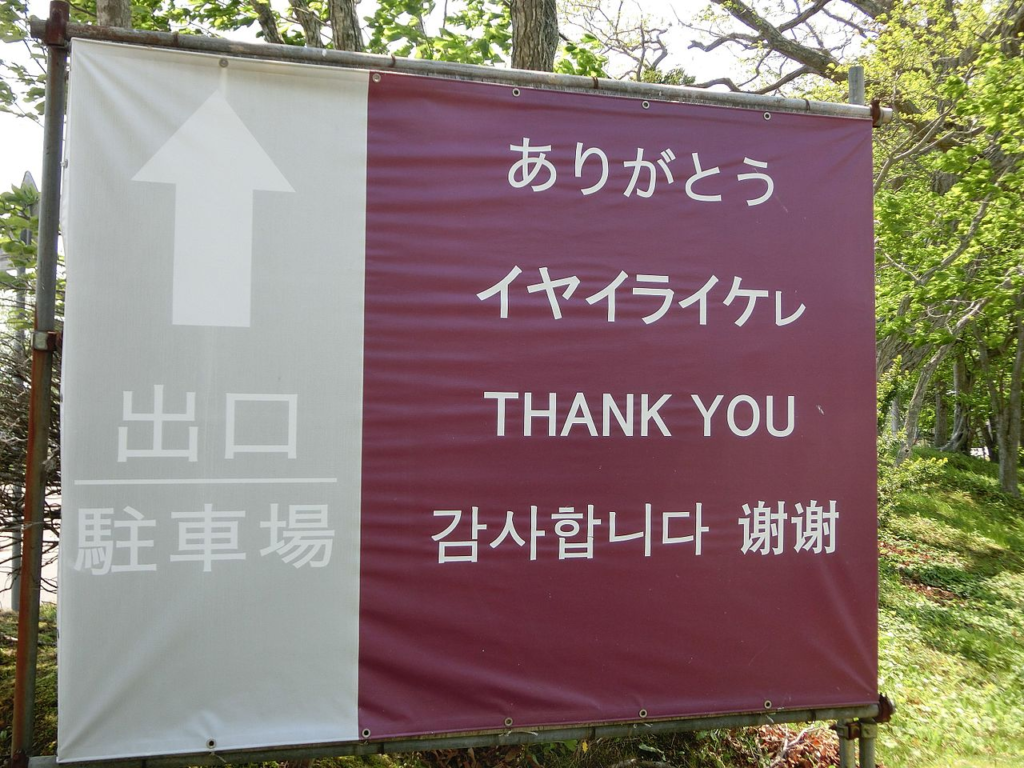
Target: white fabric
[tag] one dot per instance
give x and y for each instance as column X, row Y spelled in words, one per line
column 215, row 262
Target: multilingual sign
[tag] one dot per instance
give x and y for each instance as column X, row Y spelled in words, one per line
column 398, row 406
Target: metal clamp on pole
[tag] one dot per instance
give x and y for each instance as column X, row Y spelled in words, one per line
column 855, row 79
column 886, row 709
column 44, row 341
column 864, row 731
column 847, row 731
column 56, row 34
column 876, row 113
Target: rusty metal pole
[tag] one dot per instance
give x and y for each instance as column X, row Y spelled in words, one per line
column 44, row 341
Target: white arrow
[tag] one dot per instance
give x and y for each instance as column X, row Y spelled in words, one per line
column 216, row 165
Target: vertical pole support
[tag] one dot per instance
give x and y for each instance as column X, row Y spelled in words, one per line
column 868, row 734
column 855, row 78
column 44, row 342
column 846, row 731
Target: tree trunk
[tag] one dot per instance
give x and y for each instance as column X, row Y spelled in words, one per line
column 1006, row 405
column 917, row 400
column 1008, row 459
column 534, row 34
column 268, row 22
column 963, row 383
column 992, row 439
column 310, row 22
column 345, row 31
column 114, row 13
column 941, row 434
column 924, row 378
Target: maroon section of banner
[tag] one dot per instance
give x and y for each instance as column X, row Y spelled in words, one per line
column 618, row 446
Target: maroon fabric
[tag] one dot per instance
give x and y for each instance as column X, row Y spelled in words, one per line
column 464, row 645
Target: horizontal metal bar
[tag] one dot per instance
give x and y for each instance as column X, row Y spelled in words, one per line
column 475, row 739
column 445, row 69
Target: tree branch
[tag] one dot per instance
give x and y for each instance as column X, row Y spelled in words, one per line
column 871, row 8
column 735, row 37
column 726, row 81
column 965, row 239
column 268, row 22
column 799, row 72
column 802, row 17
column 310, row 22
column 819, row 61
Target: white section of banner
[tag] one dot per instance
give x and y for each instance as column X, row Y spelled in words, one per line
column 209, row 582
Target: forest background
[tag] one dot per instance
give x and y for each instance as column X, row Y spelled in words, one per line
column 949, row 218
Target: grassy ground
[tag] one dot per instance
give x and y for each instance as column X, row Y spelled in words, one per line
column 951, row 622
column 951, row 627
column 46, row 681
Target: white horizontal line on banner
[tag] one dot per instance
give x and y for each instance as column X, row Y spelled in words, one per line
column 212, row 481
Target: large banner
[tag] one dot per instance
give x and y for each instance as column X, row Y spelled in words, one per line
column 400, row 406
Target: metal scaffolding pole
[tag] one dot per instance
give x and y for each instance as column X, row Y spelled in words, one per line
column 44, row 342
column 477, row 739
column 549, row 80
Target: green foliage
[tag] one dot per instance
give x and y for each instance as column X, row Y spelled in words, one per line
column 45, row 722
column 949, row 224
column 198, row 15
column 18, row 226
column 897, row 474
column 21, row 82
column 674, row 76
column 893, row 384
column 480, row 32
column 952, row 620
column 582, row 58
column 398, row 28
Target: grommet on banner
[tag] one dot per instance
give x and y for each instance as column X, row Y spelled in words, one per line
column 768, row 704
column 223, row 62
column 767, row 115
column 376, row 77
column 642, row 713
column 366, row 733
column 645, row 104
column 508, row 722
column 211, row 744
column 515, row 91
